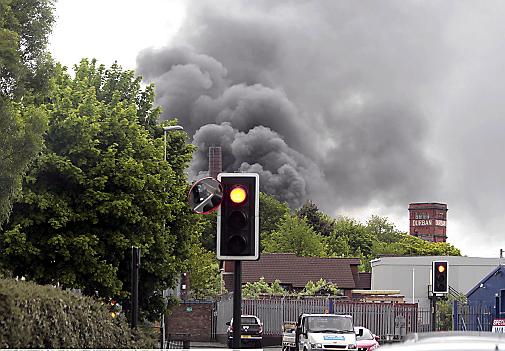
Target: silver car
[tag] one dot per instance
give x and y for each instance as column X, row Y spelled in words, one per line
column 450, row 341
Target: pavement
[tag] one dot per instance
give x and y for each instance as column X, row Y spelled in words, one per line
column 207, row 345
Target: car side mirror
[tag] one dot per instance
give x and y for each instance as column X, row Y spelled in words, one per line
column 360, row 332
column 377, row 338
column 227, row 323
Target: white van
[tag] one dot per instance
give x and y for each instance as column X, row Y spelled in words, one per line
column 325, row 332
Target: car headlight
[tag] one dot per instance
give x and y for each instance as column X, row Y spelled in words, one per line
column 316, row 346
column 351, row 346
column 373, row 347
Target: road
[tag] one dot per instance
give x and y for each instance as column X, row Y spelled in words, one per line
column 216, row 345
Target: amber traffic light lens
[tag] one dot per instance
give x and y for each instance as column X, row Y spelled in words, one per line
column 441, row 269
column 238, row 195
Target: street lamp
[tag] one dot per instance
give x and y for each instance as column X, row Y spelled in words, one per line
column 165, row 130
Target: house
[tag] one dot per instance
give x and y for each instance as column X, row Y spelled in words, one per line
column 295, row 272
column 490, row 292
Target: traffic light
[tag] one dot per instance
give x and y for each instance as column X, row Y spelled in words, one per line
column 440, row 277
column 238, row 217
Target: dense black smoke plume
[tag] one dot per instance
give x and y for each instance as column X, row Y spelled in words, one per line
column 314, row 96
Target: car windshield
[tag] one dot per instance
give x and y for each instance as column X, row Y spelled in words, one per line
column 330, row 324
column 249, row 320
column 367, row 335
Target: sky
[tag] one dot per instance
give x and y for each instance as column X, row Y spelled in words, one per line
column 361, row 107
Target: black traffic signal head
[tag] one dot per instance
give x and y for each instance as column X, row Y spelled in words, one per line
column 440, row 277
column 238, row 217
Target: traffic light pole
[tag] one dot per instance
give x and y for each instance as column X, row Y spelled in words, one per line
column 237, row 304
column 135, row 265
column 434, row 313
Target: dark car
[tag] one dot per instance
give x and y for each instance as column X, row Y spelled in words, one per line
column 252, row 331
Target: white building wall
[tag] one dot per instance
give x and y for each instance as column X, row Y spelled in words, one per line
column 411, row 275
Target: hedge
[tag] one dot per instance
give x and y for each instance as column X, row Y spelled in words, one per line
column 34, row 316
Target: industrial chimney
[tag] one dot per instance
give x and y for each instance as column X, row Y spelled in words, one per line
column 215, row 161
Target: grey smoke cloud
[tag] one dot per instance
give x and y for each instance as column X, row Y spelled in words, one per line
column 302, row 94
column 347, row 103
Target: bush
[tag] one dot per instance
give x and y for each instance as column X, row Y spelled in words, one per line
column 34, row 316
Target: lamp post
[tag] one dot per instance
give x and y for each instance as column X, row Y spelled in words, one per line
column 166, row 129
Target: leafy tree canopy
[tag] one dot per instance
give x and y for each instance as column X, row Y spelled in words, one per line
column 272, row 212
column 296, row 236
column 99, row 187
column 355, row 233
column 25, row 69
column 320, row 222
column 203, row 270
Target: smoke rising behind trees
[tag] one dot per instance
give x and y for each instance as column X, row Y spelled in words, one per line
column 350, row 104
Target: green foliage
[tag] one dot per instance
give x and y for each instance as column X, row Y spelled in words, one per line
column 255, row 289
column 21, row 129
column 203, row 270
column 24, row 62
column 44, row 317
column 25, row 68
column 99, row 187
column 444, row 313
column 383, row 230
column 320, row 222
column 411, row 246
column 272, row 212
column 209, row 231
column 356, row 235
column 321, row 287
column 296, row 236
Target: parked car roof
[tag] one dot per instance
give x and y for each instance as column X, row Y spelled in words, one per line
column 448, row 341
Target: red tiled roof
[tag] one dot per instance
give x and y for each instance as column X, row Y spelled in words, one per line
column 297, row 271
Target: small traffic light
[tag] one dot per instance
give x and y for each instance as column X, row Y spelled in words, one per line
column 440, row 277
column 238, row 217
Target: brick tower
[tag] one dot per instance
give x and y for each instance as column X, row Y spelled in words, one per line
column 428, row 221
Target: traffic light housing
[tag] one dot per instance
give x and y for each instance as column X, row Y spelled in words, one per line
column 440, row 277
column 238, row 217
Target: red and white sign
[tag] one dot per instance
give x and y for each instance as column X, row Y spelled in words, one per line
column 498, row 325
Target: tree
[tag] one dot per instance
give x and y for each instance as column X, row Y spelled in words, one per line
column 209, row 231
column 320, row 222
column 25, row 64
column 21, row 129
column 272, row 212
column 356, row 235
column 25, row 68
column 409, row 245
column 100, row 187
column 294, row 235
column 383, row 230
column 203, row 270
